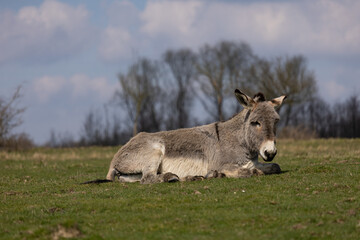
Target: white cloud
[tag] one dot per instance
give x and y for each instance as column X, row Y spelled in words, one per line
column 52, row 14
column 116, row 43
column 123, row 13
column 307, row 27
column 47, row 86
column 82, row 85
column 120, row 39
column 77, row 86
column 170, row 17
column 50, row 31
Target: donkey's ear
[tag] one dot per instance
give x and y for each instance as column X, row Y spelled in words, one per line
column 244, row 100
column 276, row 102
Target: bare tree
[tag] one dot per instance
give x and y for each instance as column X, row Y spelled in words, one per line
column 239, row 59
column 221, row 69
column 341, row 120
column 351, row 114
column 140, row 94
column 101, row 130
column 211, row 69
column 93, row 129
column 10, row 114
column 289, row 76
column 182, row 67
column 318, row 116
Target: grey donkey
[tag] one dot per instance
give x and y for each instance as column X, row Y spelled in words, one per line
column 220, row 149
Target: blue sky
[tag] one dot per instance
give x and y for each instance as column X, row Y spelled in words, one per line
column 67, row 54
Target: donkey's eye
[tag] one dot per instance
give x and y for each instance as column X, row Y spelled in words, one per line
column 255, row 124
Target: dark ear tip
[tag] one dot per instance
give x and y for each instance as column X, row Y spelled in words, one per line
column 237, row 91
column 259, row 97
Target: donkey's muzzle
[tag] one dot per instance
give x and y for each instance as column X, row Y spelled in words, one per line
column 268, row 150
column 269, row 156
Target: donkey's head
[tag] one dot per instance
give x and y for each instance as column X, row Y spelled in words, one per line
column 260, row 123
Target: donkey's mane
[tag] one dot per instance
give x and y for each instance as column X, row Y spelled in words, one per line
column 233, row 116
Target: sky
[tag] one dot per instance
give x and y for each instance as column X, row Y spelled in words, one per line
column 67, row 54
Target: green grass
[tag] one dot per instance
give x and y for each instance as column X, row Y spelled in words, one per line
column 316, row 198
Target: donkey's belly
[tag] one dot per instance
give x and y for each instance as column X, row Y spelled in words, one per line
column 184, row 167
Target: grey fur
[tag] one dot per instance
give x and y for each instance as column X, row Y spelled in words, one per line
column 228, row 148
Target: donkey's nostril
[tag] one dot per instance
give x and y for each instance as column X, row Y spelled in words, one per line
column 274, row 153
column 266, row 153
column 270, row 155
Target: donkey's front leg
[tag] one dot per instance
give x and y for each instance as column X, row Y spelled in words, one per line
column 234, row 171
column 192, row 178
column 158, row 178
column 268, row 168
column 151, row 168
column 152, row 177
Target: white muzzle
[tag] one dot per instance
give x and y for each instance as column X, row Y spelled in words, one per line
column 268, row 150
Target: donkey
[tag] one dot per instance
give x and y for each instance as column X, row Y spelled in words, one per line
column 220, row 149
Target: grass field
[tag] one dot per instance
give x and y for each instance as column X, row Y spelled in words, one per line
column 317, row 197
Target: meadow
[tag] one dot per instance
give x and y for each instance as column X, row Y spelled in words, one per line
column 316, row 197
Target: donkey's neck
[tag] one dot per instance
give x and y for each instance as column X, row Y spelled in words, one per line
column 236, row 123
column 234, row 130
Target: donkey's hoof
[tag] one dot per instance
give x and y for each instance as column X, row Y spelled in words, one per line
column 275, row 168
column 212, row 174
column 194, row 178
column 170, row 177
column 257, row 172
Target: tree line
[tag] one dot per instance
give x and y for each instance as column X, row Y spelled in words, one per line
column 185, row 88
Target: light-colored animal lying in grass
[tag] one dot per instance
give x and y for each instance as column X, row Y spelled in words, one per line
column 227, row 149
